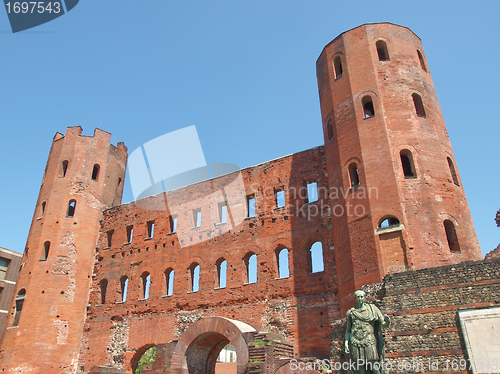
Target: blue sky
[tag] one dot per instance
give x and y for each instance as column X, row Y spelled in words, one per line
column 243, row 72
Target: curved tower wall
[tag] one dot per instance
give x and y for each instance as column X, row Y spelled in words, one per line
column 56, row 280
column 402, row 153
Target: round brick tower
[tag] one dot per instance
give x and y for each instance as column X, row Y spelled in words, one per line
column 83, row 176
column 397, row 198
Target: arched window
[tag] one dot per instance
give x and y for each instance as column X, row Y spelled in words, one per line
column 45, row 254
column 169, row 279
column 146, row 283
column 44, row 204
column 95, row 172
column 419, row 106
column 119, row 181
column 453, row 172
column 317, row 264
column 383, row 53
column 103, row 286
column 194, row 271
column 221, row 266
column 368, row 109
column 337, row 67
column 283, row 269
column 251, row 267
column 451, row 236
column 422, row 62
column 353, row 174
column 388, row 221
column 21, row 295
column 407, row 164
column 71, row 208
column 329, row 130
column 64, row 168
column 124, row 287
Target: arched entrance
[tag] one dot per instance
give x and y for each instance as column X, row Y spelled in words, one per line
column 198, row 348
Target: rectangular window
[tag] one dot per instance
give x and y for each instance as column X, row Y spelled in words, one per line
column 197, row 217
column 110, row 238
column 151, row 229
column 312, row 192
column 222, row 212
column 251, row 205
column 130, row 233
column 173, row 224
column 4, row 264
column 280, row 198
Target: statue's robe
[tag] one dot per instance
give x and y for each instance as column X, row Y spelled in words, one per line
column 366, row 341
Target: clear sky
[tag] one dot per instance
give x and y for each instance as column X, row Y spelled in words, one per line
column 243, row 72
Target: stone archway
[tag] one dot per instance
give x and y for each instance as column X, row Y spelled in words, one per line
column 197, row 350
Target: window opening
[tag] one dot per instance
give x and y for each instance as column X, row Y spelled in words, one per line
column 197, row 217
column 4, row 265
column 173, row 224
column 103, row 285
column 222, row 212
column 20, row 297
column 451, row 236
column 146, row 283
column 45, row 254
column 283, row 269
column 130, row 233
column 251, row 267
column 422, row 62
column 251, row 205
column 312, row 192
column 280, row 198
column 387, row 222
column 109, row 235
column 337, row 66
column 329, row 129
column 195, row 277
column 419, row 105
column 119, row 181
column 64, row 168
column 71, row 208
column 151, row 229
column 368, row 109
column 221, row 273
column 43, row 208
column 124, row 287
column 317, row 264
column 354, row 174
column 383, row 53
column 169, row 279
column 95, row 172
column 453, row 172
column 407, row 164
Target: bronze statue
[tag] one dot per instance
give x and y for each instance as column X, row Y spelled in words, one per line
column 364, row 341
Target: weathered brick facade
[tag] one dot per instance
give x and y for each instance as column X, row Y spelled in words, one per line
column 389, row 201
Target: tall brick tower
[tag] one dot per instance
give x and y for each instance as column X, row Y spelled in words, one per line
column 397, row 199
column 83, row 176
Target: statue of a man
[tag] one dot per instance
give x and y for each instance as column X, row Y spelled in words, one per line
column 364, row 341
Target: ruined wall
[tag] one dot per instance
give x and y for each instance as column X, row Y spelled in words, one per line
column 423, row 306
column 297, row 308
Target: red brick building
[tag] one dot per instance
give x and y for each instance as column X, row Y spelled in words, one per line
column 103, row 282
